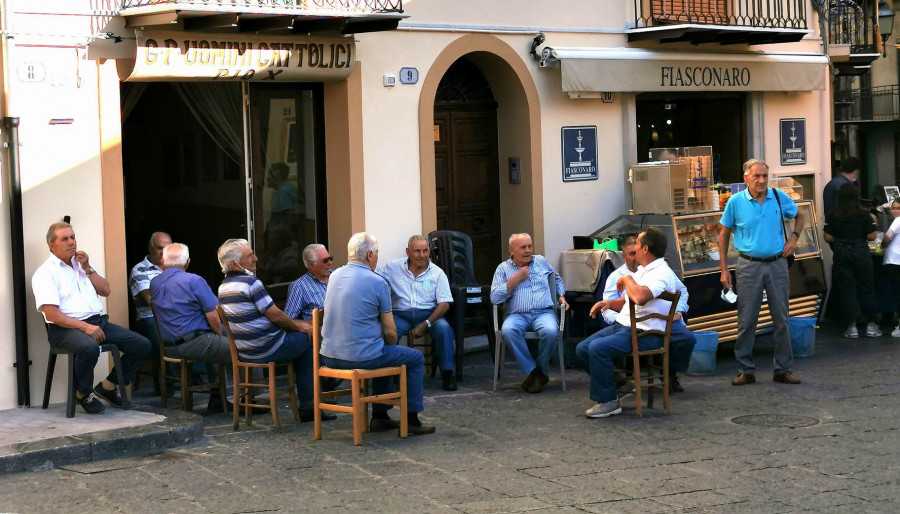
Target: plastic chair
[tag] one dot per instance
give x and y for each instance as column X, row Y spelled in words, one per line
column 184, row 376
column 500, row 350
column 452, row 252
column 358, row 390
column 654, row 371
column 70, row 398
column 244, row 386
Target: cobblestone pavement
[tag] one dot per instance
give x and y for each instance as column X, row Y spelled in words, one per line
column 510, row 451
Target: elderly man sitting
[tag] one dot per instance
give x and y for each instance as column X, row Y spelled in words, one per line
column 522, row 282
column 262, row 332
column 420, row 293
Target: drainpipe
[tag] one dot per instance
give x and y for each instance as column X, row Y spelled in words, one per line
column 17, row 243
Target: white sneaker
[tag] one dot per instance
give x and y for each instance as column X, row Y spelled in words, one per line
column 873, row 331
column 604, row 410
column 896, row 332
column 852, row 333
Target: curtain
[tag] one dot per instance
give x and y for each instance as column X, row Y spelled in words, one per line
column 131, row 93
column 217, row 108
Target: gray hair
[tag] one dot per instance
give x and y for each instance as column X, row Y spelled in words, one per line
column 753, row 162
column 514, row 236
column 51, row 232
column 175, row 254
column 417, row 237
column 360, row 245
column 230, row 251
column 153, row 237
column 309, row 253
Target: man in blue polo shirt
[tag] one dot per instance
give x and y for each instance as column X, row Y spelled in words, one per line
column 262, row 332
column 359, row 333
column 421, row 297
column 756, row 215
column 186, row 314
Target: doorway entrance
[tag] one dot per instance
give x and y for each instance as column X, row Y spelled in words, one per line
column 467, row 174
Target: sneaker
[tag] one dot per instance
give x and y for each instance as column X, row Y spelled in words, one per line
column 91, row 404
column 873, row 331
column 896, row 332
column 113, row 397
column 604, row 410
column 852, row 333
column 625, row 390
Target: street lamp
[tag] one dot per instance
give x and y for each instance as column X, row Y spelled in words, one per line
column 885, row 24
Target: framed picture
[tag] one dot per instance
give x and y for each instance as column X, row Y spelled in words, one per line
column 892, row 193
column 290, row 140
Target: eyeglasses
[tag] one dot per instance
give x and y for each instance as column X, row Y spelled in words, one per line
column 326, row 260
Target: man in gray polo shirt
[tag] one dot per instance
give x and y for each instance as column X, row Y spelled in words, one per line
column 359, row 332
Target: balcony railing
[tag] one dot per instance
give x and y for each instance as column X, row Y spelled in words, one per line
column 367, row 6
column 881, row 103
column 784, row 14
column 850, row 24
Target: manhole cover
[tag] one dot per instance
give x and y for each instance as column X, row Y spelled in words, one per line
column 775, row 420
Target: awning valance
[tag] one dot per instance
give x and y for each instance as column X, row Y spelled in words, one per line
column 590, row 71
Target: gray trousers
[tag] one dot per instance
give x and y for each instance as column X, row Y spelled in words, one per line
column 208, row 347
column 752, row 279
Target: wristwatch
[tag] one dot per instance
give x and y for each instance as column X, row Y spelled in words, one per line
column 91, row 272
column 427, row 323
column 796, row 234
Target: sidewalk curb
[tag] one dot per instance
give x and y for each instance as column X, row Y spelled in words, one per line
column 178, row 429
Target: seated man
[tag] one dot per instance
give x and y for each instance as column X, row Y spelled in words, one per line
column 307, row 293
column 186, row 307
column 262, row 332
column 359, row 333
column 420, row 293
column 66, row 290
column 602, row 348
column 522, row 282
column 139, row 284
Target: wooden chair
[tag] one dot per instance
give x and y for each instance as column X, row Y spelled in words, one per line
column 654, row 371
column 184, row 377
column 358, row 389
column 500, row 348
column 244, row 385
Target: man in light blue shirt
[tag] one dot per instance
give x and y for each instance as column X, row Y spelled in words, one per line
column 420, row 293
column 358, row 332
column 521, row 282
column 756, row 216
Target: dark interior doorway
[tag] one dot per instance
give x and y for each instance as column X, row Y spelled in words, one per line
column 691, row 119
column 467, row 174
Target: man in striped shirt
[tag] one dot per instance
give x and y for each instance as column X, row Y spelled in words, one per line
column 521, row 282
column 139, row 284
column 308, row 292
column 262, row 332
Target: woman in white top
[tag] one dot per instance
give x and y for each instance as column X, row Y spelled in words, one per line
column 891, row 245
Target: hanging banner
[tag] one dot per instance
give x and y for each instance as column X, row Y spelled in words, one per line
column 185, row 56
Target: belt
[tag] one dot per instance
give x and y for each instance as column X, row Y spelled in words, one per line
column 190, row 336
column 773, row 258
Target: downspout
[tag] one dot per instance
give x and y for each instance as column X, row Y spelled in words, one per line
column 17, row 239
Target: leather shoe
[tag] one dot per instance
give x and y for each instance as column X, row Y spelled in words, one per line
column 419, row 429
column 383, row 425
column 744, row 379
column 529, row 380
column 538, row 383
column 674, row 385
column 785, row 378
column 448, row 379
column 307, row 415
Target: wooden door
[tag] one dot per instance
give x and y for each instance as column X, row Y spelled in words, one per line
column 467, row 181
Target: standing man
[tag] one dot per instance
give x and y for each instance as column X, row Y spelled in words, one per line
column 420, row 293
column 756, row 218
column 522, row 282
column 359, row 333
column 139, row 284
column 653, row 277
column 66, row 289
column 262, row 332
column 186, row 307
column 307, row 293
column 849, row 174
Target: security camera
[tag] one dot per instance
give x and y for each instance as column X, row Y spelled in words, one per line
column 538, row 40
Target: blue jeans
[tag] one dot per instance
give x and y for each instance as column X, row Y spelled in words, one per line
column 392, row 355
column 440, row 331
column 297, row 349
column 545, row 323
column 602, row 348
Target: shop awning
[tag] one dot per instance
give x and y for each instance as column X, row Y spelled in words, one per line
column 588, row 72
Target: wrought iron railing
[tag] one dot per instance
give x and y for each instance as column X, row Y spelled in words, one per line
column 850, row 24
column 372, row 6
column 881, row 103
column 789, row 14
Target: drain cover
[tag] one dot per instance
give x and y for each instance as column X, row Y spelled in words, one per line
column 775, row 420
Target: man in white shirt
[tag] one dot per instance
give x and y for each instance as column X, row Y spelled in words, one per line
column 66, row 290
column 602, row 348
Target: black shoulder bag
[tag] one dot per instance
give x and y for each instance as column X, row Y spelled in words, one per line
column 790, row 258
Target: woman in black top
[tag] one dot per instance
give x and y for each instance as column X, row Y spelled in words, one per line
column 850, row 226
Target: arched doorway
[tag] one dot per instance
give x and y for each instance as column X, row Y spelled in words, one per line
column 467, row 175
